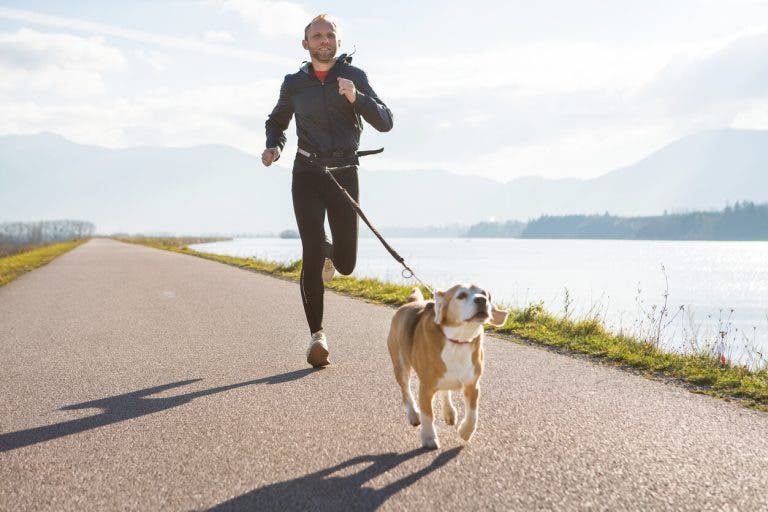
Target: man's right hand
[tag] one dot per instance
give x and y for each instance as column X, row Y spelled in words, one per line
column 270, row 155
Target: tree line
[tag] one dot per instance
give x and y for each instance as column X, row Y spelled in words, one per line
column 20, row 236
column 508, row 229
column 742, row 221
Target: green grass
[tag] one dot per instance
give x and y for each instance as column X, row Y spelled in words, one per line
column 13, row 266
column 702, row 373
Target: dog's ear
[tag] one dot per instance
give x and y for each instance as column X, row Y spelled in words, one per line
column 498, row 316
column 440, row 303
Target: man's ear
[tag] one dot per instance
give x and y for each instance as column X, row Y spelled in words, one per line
column 440, row 303
column 304, row 44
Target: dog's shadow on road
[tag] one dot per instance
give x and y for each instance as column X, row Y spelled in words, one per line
column 128, row 406
column 324, row 491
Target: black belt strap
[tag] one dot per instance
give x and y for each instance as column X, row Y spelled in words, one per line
column 334, row 161
column 370, row 152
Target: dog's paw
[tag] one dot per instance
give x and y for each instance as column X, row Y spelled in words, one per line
column 466, row 429
column 413, row 418
column 430, row 442
column 449, row 415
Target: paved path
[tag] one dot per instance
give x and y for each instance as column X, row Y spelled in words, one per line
column 138, row 379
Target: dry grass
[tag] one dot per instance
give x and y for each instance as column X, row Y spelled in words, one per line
column 13, row 266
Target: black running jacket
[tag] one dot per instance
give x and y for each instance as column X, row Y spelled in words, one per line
column 326, row 122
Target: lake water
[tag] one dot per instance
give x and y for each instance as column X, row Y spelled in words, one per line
column 722, row 286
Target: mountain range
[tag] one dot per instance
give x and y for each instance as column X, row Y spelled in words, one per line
column 211, row 189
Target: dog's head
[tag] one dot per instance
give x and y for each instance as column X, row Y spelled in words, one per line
column 462, row 304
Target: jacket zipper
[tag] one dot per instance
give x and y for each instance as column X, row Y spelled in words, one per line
column 328, row 117
column 325, row 107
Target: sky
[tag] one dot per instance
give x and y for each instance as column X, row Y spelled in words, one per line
column 499, row 89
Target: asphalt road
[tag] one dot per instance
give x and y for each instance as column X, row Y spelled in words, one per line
column 137, row 379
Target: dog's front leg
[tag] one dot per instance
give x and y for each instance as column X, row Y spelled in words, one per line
column 403, row 376
column 467, row 426
column 449, row 411
column 428, row 436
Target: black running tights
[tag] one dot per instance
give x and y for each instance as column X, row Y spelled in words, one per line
column 314, row 193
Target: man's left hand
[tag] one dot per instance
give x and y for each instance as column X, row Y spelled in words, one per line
column 347, row 88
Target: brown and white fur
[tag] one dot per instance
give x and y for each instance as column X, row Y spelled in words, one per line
column 442, row 340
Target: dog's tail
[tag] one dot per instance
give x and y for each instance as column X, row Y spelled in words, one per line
column 415, row 296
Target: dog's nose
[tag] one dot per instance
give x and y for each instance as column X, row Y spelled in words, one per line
column 481, row 301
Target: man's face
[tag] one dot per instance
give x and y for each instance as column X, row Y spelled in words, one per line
column 321, row 41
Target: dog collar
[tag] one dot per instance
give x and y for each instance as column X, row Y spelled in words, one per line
column 459, row 342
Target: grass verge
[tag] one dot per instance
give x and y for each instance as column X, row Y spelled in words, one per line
column 701, row 373
column 12, row 267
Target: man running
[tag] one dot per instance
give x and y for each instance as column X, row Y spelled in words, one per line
column 329, row 97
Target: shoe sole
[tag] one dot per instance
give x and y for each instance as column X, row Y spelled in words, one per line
column 318, row 356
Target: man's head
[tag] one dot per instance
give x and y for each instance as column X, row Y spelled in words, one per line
column 321, row 39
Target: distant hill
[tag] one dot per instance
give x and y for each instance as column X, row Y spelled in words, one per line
column 701, row 172
column 218, row 189
column 174, row 190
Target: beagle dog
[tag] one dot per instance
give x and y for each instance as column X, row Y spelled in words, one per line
column 442, row 340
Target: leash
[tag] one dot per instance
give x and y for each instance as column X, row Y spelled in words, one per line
column 407, row 273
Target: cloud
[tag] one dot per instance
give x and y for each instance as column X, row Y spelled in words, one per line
column 563, row 109
column 554, row 108
column 28, row 49
column 165, row 41
column 63, row 63
column 588, row 152
column 728, row 74
column 754, row 116
column 156, row 61
column 218, row 36
column 230, row 115
column 271, row 18
column 523, row 69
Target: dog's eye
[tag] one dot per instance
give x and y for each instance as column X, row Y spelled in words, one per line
column 461, row 296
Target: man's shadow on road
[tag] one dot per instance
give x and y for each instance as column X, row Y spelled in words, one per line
column 128, row 406
column 322, row 491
